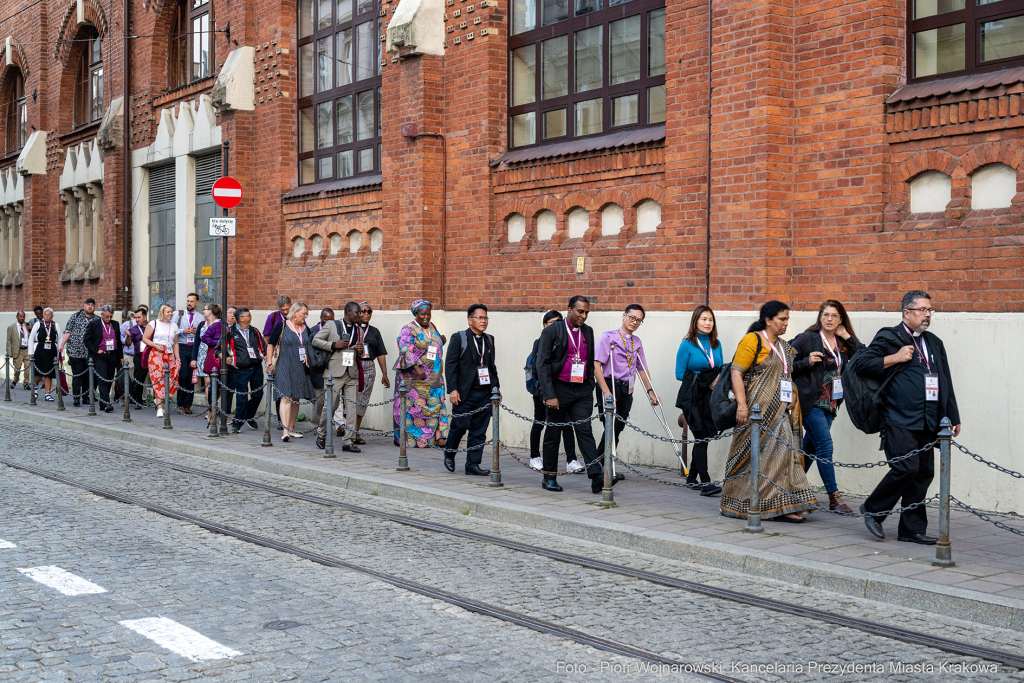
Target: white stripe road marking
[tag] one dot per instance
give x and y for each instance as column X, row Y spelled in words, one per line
column 66, row 582
column 4, row 545
column 226, row 192
column 180, row 639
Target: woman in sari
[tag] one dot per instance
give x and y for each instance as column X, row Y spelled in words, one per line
column 760, row 374
column 420, row 353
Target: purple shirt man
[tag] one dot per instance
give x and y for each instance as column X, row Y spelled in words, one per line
column 622, row 358
column 577, row 353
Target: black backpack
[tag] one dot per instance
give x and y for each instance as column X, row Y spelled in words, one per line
column 863, row 396
column 317, row 358
column 723, row 407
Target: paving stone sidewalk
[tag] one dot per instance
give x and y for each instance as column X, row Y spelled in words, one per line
column 989, row 560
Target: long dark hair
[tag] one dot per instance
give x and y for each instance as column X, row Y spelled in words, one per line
column 768, row 311
column 843, row 316
column 691, row 336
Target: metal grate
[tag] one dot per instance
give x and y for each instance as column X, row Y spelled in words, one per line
column 161, row 185
column 208, row 170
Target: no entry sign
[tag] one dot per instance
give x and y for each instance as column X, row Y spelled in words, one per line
column 227, row 192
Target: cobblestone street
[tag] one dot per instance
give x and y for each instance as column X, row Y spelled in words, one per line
column 352, row 627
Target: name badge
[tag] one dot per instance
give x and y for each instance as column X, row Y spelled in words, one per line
column 252, row 354
column 576, row 373
column 786, row 391
column 432, row 352
column 302, row 354
column 348, row 358
column 47, row 346
column 366, row 351
column 931, row 387
column 484, row 375
column 190, row 338
column 837, row 389
column 110, row 345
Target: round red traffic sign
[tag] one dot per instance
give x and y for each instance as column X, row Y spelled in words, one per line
column 227, row 192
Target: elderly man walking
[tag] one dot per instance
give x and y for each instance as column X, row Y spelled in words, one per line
column 17, row 346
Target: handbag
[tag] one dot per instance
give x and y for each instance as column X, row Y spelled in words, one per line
column 723, row 400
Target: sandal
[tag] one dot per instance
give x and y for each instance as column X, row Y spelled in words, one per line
column 790, row 520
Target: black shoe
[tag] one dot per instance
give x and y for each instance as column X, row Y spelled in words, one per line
column 77, row 403
column 108, row 409
column 551, row 485
column 321, row 443
column 351, row 449
column 710, row 490
column 873, row 525
column 449, row 462
column 477, row 471
column 253, row 424
column 617, row 478
column 234, row 430
column 918, row 538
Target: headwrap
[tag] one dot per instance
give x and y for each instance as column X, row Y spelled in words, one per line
column 364, row 304
column 420, row 303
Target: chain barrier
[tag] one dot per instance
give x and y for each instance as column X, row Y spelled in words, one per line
column 549, row 424
column 983, row 461
column 852, row 465
column 986, row 517
column 680, row 484
column 839, row 513
column 723, row 435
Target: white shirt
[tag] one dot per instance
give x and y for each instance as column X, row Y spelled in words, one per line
column 188, row 319
column 164, row 334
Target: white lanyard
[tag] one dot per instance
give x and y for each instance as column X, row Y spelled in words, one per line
column 107, row 329
column 785, row 363
column 709, row 354
column 835, row 354
column 245, row 335
column 293, row 329
column 575, row 342
column 479, row 351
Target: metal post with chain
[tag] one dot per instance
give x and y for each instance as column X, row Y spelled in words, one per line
column 403, row 460
column 7, row 376
column 167, row 396
column 92, row 389
column 607, row 496
column 943, row 549
column 329, row 407
column 214, row 403
column 127, row 417
column 270, row 403
column 56, row 380
column 754, row 509
column 495, row 442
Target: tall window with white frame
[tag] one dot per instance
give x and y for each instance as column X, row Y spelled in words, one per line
column 584, row 67
column 89, row 81
column 339, row 89
column 191, row 47
column 952, row 37
column 17, row 113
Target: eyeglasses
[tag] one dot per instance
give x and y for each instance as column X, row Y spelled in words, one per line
column 929, row 311
column 478, row 317
column 634, row 319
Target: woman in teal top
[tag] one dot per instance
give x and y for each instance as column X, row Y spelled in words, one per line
column 698, row 362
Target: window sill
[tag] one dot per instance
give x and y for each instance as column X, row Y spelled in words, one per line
column 326, row 186
column 627, row 138
column 80, row 132
column 184, row 91
column 956, row 89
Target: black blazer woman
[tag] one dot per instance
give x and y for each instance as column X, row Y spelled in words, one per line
column 821, row 354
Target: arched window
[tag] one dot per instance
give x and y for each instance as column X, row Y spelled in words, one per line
column 191, row 53
column 339, row 89
column 89, row 81
column 17, row 113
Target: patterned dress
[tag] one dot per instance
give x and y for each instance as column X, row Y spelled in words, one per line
column 163, row 335
column 424, row 422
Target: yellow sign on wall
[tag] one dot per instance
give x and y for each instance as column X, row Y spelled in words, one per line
column 207, row 270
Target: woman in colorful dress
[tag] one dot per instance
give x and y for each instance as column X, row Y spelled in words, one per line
column 420, row 354
column 761, row 375
column 161, row 338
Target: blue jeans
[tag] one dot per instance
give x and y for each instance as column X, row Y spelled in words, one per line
column 818, row 442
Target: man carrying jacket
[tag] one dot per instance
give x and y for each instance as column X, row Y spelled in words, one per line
column 471, row 374
column 565, row 369
column 246, row 351
column 103, row 341
column 916, row 399
column 344, row 339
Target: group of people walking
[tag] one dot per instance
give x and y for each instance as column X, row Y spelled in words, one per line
column 797, row 384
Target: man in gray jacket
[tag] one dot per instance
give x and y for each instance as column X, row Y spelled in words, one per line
column 344, row 339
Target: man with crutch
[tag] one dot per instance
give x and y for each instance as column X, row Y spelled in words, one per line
column 617, row 363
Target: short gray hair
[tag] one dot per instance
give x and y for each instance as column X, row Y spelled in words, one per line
column 47, row 310
column 108, row 308
column 284, row 301
column 913, row 295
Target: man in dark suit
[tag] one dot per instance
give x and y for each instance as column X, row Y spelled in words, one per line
column 917, row 397
column 103, row 341
column 565, row 369
column 471, row 374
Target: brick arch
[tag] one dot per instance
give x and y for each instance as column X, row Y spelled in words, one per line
column 513, row 206
column 932, row 160
column 991, row 153
column 641, row 193
column 18, row 57
column 69, row 27
column 610, row 195
column 573, row 200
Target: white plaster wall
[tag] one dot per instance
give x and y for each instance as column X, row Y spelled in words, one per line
column 993, row 187
column 930, row 192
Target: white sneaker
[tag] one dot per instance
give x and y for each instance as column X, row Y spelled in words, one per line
column 537, row 464
column 159, row 412
column 574, row 466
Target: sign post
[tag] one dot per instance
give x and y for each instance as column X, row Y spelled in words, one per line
column 227, row 192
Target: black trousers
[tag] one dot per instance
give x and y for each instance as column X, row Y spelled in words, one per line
column 185, row 387
column 106, row 371
column 247, row 379
column 575, row 402
column 699, row 458
column 907, row 480
column 476, row 425
column 623, row 404
column 80, row 379
column 140, row 373
column 540, row 413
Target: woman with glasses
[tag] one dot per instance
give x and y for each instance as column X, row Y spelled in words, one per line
column 373, row 350
column 822, row 351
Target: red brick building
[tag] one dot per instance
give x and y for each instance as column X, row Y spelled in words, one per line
column 555, row 147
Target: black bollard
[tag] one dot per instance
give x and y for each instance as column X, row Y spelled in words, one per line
column 127, row 387
column 167, row 396
column 92, row 388
column 270, row 402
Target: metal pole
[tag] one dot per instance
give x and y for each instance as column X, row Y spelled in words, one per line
column 329, row 407
column 92, row 389
column 214, row 376
column 943, row 549
column 225, row 392
column 31, row 384
column 754, row 510
column 224, row 306
column 7, row 376
column 270, row 403
column 56, row 380
column 403, row 460
column 496, row 437
column 127, row 387
column 167, row 396
column 607, row 497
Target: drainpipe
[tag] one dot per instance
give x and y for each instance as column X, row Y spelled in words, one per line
column 126, row 210
column 707, row 216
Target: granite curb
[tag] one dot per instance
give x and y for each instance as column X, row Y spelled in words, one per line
column 991, row 610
